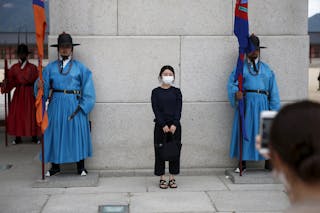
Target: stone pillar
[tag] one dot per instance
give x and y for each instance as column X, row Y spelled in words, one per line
column 126, row 42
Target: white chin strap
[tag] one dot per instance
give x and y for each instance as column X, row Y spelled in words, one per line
column 69, row 57
column 66, row 61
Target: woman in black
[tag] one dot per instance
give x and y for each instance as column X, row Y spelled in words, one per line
column 167, row 105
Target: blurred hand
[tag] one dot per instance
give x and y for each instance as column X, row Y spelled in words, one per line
column 258, row 147
column 166, row 129
column 2, row 86
column 173, row 129
column 40, row 84
column 239, row 95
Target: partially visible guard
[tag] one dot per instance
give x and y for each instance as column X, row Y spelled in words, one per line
column 21, row 121
column 260, row 92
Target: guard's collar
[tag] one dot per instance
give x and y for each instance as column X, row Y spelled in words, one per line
column 22, row 65
column 66, row 61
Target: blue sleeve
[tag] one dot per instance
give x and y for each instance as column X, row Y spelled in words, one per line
column 156, row 110
column 88, row 94
column 177, row 115
column 46, row 83
column 232, row 89
column 274, row 98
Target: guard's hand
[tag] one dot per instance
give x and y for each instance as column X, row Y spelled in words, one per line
column 40, row 84
column 166, row 129
column 173, row 129
column 2, row 86
column 239, row 95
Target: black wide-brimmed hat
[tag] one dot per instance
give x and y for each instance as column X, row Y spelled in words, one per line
column 23, row 48
column 255, row 42
column 64, row 39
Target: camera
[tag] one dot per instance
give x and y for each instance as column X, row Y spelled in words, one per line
column 266, row 118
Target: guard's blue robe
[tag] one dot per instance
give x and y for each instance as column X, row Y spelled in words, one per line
column 254, row 104
column 67, row 141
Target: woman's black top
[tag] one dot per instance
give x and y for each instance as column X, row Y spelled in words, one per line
column 167, row 105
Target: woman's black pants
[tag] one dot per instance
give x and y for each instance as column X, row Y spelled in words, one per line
column 159, row 166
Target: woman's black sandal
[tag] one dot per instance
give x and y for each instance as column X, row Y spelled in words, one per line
column 172, row 184
column 163, row 184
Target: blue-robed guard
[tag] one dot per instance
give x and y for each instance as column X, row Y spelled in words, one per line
column 67, row 138
column 260, row 92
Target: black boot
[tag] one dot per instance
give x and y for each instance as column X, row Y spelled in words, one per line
column 55, row 169
column 268, row 165
column 244, row 167
column 17, row 140
column 35, row 140
column 80, row 168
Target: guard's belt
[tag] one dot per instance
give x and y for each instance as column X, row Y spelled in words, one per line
column 258, row 91
column 67, row 91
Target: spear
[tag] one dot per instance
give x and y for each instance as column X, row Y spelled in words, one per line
column 40, row 28
column 241, row 30
column 6, row 97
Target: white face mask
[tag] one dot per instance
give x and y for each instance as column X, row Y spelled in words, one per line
column 167, row 79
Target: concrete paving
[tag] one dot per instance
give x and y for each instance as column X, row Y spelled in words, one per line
column 195, row 194
column 251, row 176
column 66, row 180
column 201, row 190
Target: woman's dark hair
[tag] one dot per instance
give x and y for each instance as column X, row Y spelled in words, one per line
column 295, row 136
column 166, row 67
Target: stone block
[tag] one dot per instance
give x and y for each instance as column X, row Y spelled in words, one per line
column 286, row 56
column 170, row 202
column 66, row 180
column 123, row 136
column 83, row 203
column 251, row 186
column 273, row 17
column 251, row 176
column 113, row 185
column 255, row 201
column 95, row 17
column 126, row 69
column 178, row 17
column 206, row 63
column 30, row 203
column 206, row 134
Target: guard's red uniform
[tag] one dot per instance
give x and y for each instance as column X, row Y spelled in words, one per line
column 22, row 112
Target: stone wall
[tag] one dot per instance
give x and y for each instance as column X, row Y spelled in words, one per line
column 125, row 43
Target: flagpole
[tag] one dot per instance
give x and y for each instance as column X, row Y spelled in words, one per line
column 42, row 135
column 241, row 147
column 6, row 97
column 5, row 119
column 41, row 115
column 241, row 31
column 42, row 158
column 241, row 111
